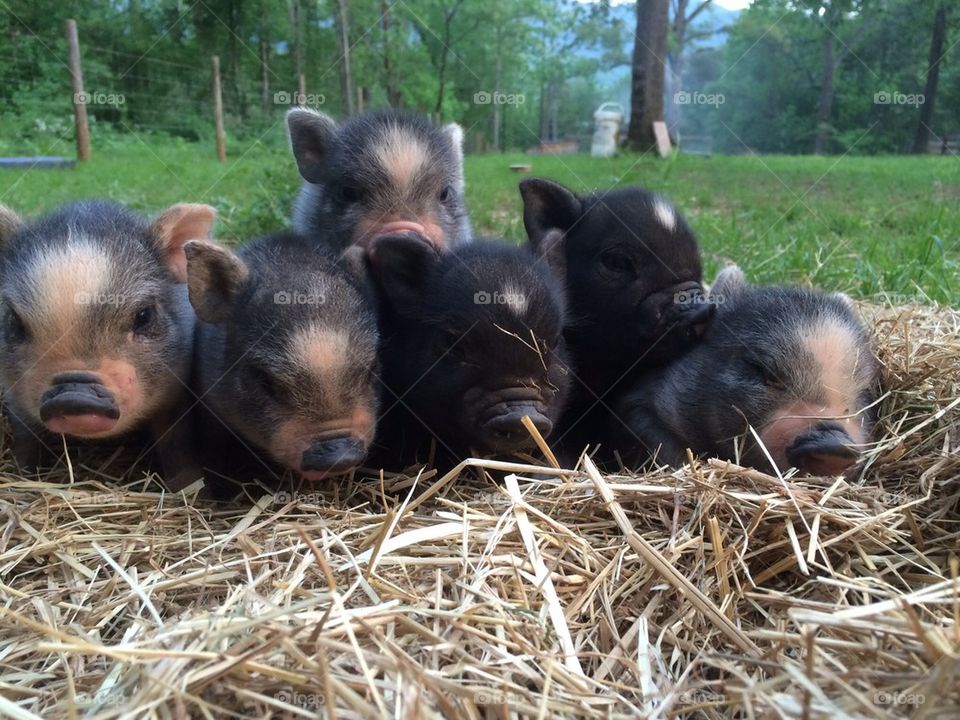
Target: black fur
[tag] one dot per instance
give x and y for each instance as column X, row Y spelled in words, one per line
column 457, row 357
column 634, row 291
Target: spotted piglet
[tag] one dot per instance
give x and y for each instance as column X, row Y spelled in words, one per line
column 97, row 332
column 377, row 174
column 783, row 374
column 286, row 359
column 634, row 286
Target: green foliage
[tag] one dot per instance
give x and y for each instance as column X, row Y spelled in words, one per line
column 156, row 55
column 771, row 68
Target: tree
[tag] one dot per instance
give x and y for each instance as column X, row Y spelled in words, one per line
column 922, row 138
column 438, row 43
column 343, row 36
column 683, row 16
column 832, row 14
column 648, row 72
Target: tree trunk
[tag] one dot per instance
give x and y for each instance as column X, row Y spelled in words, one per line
column 296, row 19
column 394, row 95
column 648, row 72
column 825, row 107
column 346, row 77
column 636, row 137
column 544, row 129
column 498, row 78
column 674, row 109
column 264, row 74
column 922, row 138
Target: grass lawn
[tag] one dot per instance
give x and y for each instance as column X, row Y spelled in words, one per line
column 872, row 226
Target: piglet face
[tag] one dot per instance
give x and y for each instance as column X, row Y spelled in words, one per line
column 298, row 351
column 319, row 396
column 487, row 376
column 478, row 344
column 380, row 174
column 797, row 368
column 632, row 264
column 96, row 333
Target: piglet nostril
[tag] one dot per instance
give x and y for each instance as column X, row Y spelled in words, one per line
column 334, row 455
column 826, row 449
column 505, row 431
column 77, row 377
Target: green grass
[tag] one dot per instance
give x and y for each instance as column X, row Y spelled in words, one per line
column 880, row 226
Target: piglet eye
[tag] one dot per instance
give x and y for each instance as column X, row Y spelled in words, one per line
column 351, row 194
column 617, row 262
column 144, row 318
column 763, row 372
column 16, row 330
column 264, row 380
column 449, row 346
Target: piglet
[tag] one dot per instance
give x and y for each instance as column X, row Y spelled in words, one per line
column 378, row 173
column 634, row 286
column 790, row 367
column 97, row 331
column 472, row 344
column 286, row 358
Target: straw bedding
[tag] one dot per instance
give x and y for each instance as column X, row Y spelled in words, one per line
column 711, row 591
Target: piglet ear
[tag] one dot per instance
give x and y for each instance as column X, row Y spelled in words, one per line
column 728, row 283
column 175, row 226
column 402, row 267
column 454, row 134
column 354, row 261
column 552, row 250
column 547, row 206
column 311, row 136
column 215, row 277
column 10, row 225
column 845, row 299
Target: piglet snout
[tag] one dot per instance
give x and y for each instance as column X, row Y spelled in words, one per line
column 826, row 449
column 331, row 456
column 77, row 403
column 504, row 431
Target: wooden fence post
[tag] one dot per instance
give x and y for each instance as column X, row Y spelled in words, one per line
column 79, row 96
column 218, row 111
column 301, row 90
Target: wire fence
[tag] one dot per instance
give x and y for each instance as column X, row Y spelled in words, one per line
column 130, row 94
